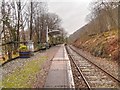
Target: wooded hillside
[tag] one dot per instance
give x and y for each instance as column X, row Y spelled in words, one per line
column 100, row 35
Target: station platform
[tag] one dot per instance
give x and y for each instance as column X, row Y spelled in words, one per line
column 60, row 73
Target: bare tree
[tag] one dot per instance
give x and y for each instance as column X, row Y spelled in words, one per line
column 18, row 24
column 32, row 16
column 103, row 15
column 11, row 17
column 53, row 21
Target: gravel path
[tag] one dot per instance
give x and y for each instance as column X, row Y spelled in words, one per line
column 108, row 65
column 17, row 64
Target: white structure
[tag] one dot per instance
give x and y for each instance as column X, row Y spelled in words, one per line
column 47, row 38
column 54, row 32
column 30, row 46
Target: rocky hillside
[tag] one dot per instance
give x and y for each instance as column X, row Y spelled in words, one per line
column 103, row 45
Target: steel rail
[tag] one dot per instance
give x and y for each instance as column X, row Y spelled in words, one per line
column 79, row 70
column 117, row 80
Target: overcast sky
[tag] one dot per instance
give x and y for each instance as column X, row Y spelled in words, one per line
column 72, row 12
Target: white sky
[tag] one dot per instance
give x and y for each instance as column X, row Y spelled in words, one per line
column 72, row 12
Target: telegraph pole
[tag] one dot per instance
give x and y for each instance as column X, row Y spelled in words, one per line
column 31, row 20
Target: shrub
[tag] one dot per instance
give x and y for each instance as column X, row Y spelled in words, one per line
column 23, row 47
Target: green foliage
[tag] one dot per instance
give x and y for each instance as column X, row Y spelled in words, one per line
column 99, row 50
column 23, row 47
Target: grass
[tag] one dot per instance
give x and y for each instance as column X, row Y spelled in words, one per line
column 24, row 77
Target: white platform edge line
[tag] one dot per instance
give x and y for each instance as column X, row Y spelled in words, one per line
column 66, row 55
column 70, row 76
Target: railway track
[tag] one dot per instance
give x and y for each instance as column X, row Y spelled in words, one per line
column 92, row 75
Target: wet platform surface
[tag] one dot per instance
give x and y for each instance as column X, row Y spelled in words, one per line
column 60, row 73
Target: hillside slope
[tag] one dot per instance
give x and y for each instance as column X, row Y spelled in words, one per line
column 103, row 45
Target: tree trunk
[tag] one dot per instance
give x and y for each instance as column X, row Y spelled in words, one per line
column 9, row 52
column 18, row 27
